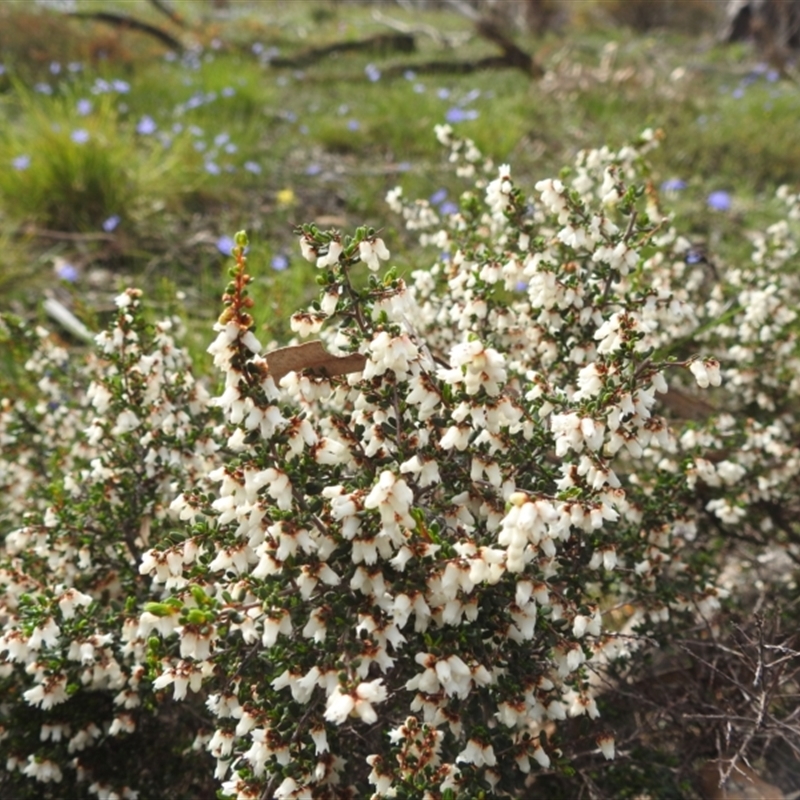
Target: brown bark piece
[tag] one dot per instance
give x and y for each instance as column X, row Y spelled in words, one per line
column 313, row 357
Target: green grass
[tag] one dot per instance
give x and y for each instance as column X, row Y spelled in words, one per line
column 333, row 138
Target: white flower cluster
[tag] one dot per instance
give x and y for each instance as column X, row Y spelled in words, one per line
column 97, row 478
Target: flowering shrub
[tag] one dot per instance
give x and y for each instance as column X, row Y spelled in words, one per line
column 406, row 580
column 89, row 469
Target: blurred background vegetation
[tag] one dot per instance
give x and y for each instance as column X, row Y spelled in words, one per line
column 137, row 135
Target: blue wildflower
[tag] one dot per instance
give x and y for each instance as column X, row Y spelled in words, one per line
column 719, row 201
column 279, row 262
column 225, row 244
column 673, row 185
column 146, row 125
column 694, row 256
column 457, row 114
column 111, row 223
column 66, row 271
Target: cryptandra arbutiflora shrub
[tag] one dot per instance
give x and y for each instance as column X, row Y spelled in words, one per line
column 401, row 581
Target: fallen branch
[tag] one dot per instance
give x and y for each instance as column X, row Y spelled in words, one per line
column 381, row 43
column 458, row 67
column 513, row 57
column 125, row 22
column 161, row 6
column 444, row 39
